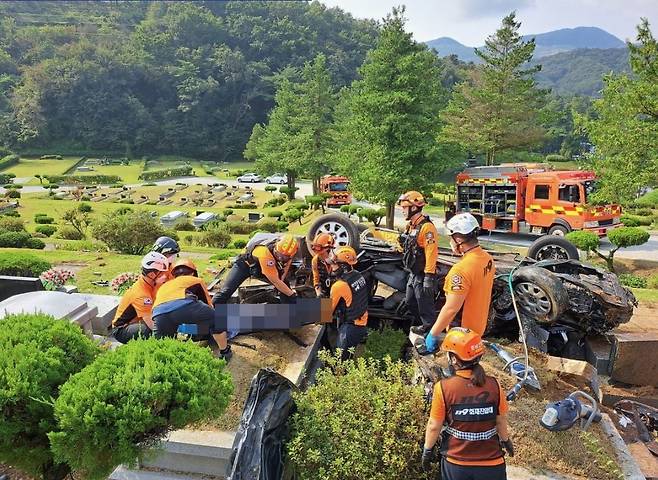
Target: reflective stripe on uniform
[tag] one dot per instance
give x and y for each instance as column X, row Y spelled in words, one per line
column 472, row 436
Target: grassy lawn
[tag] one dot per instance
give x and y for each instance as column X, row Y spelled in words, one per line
column 128, row 173
column 28, row 167
column 646, row 295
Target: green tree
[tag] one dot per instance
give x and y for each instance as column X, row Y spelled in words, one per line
column 622, row 237
column 498, row 107
column 387, row 123
column 625, row 130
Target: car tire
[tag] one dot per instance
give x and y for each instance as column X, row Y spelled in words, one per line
column 268, row 181
column 553, row 247
column 539, row 294
column 558, row 230
column 342, row 228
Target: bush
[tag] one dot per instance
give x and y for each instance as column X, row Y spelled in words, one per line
column 185, row 226
column 224, row 255
column 85, row 207
column 389, row 342
column 275, row 214
column 132, row 233
column 239, row 243
column 47, row 230
column 8, row 161
column 652, row 281
column 86, row 198
column 435, row 202
column 13, row 194
column 14, row 239
column 241, row 228
column 35, row 243
column 39, row 354
column 293, row 214
column 129, row 398
column 270, row 188
column 69, row 233
column 642, row 212
column 22, row 265
column 13, row 186
column 84, row 179
column 11, row 213
column 11, row 224
column 244, row 206
column 556, row 158
column 631, row 280
column 649, row 200
column 624, row 237
column 217, row 237
column 267, row 225
column 636, row 221
column 149, row 184
column 44, row 220
column 583, row 240
column 379, row 407
column 372, row 215
column 282, row 226
column 227, row 211
column 150, row 175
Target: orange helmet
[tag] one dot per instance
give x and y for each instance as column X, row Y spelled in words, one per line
column 322, row 241
column 464, row 343
column 412, row 199
column 287, row 246
column 184, row 263
column 346, row 255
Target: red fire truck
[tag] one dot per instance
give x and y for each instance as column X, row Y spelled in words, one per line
column 339, row 188
column 524, row 198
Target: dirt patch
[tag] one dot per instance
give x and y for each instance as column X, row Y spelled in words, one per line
column 642, row 321
column 75, row 267
column 13, row 473
column 573, row 452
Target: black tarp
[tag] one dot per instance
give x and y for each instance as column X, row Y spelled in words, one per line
column 258, row 448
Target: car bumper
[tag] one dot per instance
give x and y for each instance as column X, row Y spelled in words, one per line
column 602, row 231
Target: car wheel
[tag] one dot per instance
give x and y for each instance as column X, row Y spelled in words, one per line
column 342, row 228
column 558, row 230
column 282, row 182
column 552, row 247
column 539, row 294
column 268, row 181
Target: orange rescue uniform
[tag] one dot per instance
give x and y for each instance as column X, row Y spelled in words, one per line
column 179, row 287
column 268, row 264
column 341, row 290
column 135, row 304
column 473, row 278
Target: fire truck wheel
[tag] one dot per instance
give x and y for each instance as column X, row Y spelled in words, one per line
column 342, row 228
column 558, row 230
column 552, row 247
column 539, row 294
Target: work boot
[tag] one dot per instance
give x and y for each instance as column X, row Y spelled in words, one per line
column 421, row 330
column 225, row 354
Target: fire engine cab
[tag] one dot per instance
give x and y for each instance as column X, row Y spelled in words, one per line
column 339, row 189
column 533, row 199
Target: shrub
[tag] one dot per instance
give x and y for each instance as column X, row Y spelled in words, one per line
column 8, row 161
column 123, row 210
column 556, row 158
column 267, row 225
column 44, row 220
column 69, row 233
column 128, row 399
column 648, row 200
column 14, row 239
column 652, row 281
column 636, row 221
column 282, row 226
column 224, row 255
column 239, row 243
column 275, row 214
column 624, row 237
column 85, row 207
column 39, row 354
column 389, row 342
column 642, row 212
column 218, row 237
column 373, row 215
column 583, row 240
column 293, row 214
column 132, row 233
column 13, row 186
column 379, row 407
column 84, row 179
column 11, row 213
column 631, row 280
column 244, row 206
column 85, row 198
column 149, row 184
column 13, row 194
column 227, row 211
column 35, row 243
column 11, row 224
column 22, row 265
column 185, row 226
column 183, row 171
column 270, row 188
column 435, row 202
column 47, row 230
column 241, row 228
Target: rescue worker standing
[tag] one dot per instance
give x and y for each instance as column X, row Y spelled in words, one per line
column 170, row 249
column 185, row 299
column 133, row 316
column 349, row 302
column 474, row 409
column 468, row 284
column 421, row 250
column 268, row 261
column 322, row 263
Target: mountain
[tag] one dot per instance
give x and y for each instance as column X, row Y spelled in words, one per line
column 548, row 43
column 580, row 72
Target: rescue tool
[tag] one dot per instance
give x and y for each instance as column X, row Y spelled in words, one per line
column 516, row 367
column 563, row 414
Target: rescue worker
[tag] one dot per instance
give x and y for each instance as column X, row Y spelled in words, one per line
column 349, row 301
column 322, row 263
column 170, row 249
column 185, row 299
column 133, row 315
column 468, row 284
column 473, row 407
column 269, row 261
column 421, row 250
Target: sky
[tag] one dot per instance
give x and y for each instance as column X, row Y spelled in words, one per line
column 471, row 21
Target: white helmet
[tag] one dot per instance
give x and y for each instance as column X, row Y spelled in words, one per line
column 155, row 261
column 463, row 223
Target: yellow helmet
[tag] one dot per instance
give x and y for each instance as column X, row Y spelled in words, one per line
column 287, row 246
column 345, row 255
column 411, row 199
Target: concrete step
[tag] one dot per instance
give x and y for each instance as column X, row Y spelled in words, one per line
column 122, row 473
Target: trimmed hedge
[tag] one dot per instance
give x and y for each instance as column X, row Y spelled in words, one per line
column 44, row 220
column 167, row 173
column 9, row 160
column 47, row 230
column 14, row 239
column 22, row 264
column 11, row 224
column 83, row 179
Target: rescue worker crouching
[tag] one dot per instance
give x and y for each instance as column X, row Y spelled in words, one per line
column 185, row 299
column 349, row 301
column 421, row 250
column 322, row 263
column 474, row 409
column 468, row 284
column 268, row 261
column 170, row 249
column 133, row 317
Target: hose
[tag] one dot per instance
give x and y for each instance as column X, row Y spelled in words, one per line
column 512, row 394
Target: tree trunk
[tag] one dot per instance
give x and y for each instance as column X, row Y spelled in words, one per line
column 390, row 215
column 291, row 185
column 316, row 185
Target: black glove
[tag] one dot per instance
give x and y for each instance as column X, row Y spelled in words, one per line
column 402, row 239
column 507, row 446
column 428, row 285
column 427, row 458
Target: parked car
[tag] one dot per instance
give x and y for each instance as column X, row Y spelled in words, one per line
column 250, row 178
column 277, row 178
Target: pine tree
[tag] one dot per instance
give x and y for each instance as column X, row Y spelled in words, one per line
column 498, row 107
